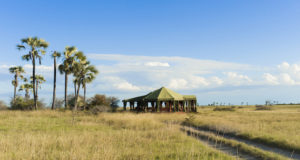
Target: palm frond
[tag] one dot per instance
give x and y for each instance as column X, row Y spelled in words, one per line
column 19, row 47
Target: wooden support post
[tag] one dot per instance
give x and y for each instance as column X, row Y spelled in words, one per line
column 124, row 105
column 152, row 105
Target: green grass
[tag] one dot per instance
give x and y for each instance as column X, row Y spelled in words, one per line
column 56, row 135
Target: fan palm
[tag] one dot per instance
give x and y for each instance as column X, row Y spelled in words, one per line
column 39, row 80
column 66, row 67
column 36, row 47
column 17, row 71
column 78, row 70
column 89, row 74
column 55, row 55
column 26, row 87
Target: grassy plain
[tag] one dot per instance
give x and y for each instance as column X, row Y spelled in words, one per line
column 279, row 126
column 59, row 135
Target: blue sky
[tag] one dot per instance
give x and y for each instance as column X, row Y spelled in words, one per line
column 225, row 51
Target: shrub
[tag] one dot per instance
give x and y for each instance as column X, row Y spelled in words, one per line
column 101, row 103
column 113, row 102
column 59, row 103
column 262, row 107
column 3, row 106
column 98, row 109
column 25, row 104
column 71, row 101
column 232, row 108
column 97, row 100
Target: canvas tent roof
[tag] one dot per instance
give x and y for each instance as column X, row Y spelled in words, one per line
column 189, row 97
column 135, row 99
column 162, row 94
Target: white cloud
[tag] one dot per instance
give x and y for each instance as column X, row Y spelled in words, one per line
column 157, row 64
column 270, row 79
column 178, row 84
column 181, row 64
column 126, row 86
column 216, row 80
column 184, row 73
column 117, row 83
column 40, row 69
column 237, row 79
column 287, row 74
column 286, row 79
column 197, row 81
column 284, row 66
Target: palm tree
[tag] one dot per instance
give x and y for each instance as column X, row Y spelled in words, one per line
column 18, row 73
column 39, row 80
column 66, row 67
column 36, row 47
column 54, row 56
column 78, row 70
column 26, row 87
column 89, row 74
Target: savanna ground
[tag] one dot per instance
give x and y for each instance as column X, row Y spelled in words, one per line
column 60, row 135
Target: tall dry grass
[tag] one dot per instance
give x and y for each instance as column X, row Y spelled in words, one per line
column 59, row 135
column 281, row 125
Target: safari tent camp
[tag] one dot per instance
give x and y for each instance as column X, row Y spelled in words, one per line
column 162, row 99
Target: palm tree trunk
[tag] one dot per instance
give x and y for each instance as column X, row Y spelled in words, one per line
column 36, row 89
column 54, row 85
column 84, row 94
column 66, row 88
column 33, row 82
column 15, row 87
column 75, row 88
column 27, row 96
column 76, row 97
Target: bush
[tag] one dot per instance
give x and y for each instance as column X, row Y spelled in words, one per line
column 98, row 109
column 113, row 102
column 97, row 100
column 25, row 104
column 101, row 103
column 3, row 106
column 232, row 108
column 59, row 103
column 262, row 107
column 71, row 101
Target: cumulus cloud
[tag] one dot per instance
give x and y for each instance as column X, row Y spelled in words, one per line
column 237, row 79
column 126, row 86
column 287, row 79
column 179, row 83
column 270, row 79
column 287, row 74
column 283, row 66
